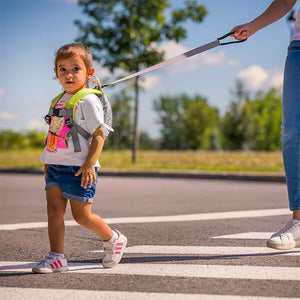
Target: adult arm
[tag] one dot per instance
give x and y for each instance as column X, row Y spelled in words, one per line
column 276, row 10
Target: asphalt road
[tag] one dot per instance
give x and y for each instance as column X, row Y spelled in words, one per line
column 187, row 239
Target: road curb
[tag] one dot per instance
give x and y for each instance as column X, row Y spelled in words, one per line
column 165, row 174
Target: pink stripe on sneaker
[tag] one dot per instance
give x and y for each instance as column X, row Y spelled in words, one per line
column 60, row 264
column 52, row 266
column 119, row 244
column 56, row 265
column 118, row 248
column 117, row 252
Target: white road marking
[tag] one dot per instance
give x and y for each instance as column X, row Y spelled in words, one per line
column 200, row 250
column 173, row 270
column 159, row 219
column 59, row 294
column 246, row 236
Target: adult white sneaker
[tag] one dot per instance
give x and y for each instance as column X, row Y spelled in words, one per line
column 113, row 250
column 50, row 264
column 286, row 238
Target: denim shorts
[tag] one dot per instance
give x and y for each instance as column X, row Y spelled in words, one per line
column 64, row 178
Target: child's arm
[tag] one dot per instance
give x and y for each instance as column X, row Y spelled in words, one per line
column 88, row 168
column 45, row 170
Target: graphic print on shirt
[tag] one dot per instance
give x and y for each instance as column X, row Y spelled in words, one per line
column 59, row 133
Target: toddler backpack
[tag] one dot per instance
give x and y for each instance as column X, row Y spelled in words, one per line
column 69, row 113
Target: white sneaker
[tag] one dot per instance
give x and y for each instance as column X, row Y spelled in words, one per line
column 113, row 250
column 286, row 238
column 52, row 263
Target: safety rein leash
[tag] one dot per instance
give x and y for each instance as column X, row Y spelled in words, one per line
column 178, row 58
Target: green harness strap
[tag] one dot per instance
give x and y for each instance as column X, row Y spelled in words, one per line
column 75, row 99
column 70, row 112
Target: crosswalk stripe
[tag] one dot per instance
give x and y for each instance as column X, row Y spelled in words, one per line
column 158, row 219
column 174, row 270
column 199, row 250
column 246, row 236
column 60, row 294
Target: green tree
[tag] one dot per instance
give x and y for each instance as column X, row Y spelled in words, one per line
column 170, row 112
column 146, row 142
column 264, row 120
column 234, row 125
column 122, row 122
column 200, row 123
column 123, row 33
column 186, row 122
column 36, row 139
column 12, row 140
column 253, row 123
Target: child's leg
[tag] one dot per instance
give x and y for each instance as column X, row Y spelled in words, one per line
column 56, row 208
column 82, row 215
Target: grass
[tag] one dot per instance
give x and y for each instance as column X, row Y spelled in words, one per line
column 192, row 161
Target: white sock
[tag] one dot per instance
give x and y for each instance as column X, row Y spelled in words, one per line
column 57, row 254
column 114, row 237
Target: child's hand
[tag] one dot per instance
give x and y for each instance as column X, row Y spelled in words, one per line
column 88, row 176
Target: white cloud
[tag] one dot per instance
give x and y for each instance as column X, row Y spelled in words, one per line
column 254, row 77
column 233, row 63
column 7, row 116
column 105, row 72
column 148, row 82
column 213, row 59
column 34, row 124
column 172, row 49
column 276, row 79
column 2, row 93
column 105, row 76
column 257, row 78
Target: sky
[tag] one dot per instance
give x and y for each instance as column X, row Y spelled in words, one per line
column 32, row 30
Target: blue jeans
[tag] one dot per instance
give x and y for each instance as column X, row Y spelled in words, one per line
column 290, row 134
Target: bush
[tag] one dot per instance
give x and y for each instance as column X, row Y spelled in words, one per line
column 10, row 140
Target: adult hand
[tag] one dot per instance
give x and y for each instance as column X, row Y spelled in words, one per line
column 244, row 31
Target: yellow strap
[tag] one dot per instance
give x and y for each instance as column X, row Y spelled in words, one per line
column 78, row 96
column 75, row 98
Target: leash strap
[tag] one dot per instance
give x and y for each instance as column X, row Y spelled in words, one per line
column 178, row 58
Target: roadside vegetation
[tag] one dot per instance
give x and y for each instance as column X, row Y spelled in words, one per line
column 191, row 161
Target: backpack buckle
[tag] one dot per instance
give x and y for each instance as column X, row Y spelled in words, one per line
column 47, row 119
column 56, row 112
column 69, row 123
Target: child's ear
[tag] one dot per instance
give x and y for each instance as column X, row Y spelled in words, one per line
column 90, row 73
column 55, row 72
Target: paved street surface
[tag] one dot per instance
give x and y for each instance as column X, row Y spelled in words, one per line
column 187, row 239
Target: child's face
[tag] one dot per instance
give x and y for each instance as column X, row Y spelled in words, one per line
column 72, row 73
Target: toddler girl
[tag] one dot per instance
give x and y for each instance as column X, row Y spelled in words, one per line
column 73, row 175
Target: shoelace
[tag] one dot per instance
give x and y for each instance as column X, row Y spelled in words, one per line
column 49, row 257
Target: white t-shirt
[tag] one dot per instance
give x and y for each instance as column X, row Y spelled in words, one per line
column 296, row 34
column 59, row 149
